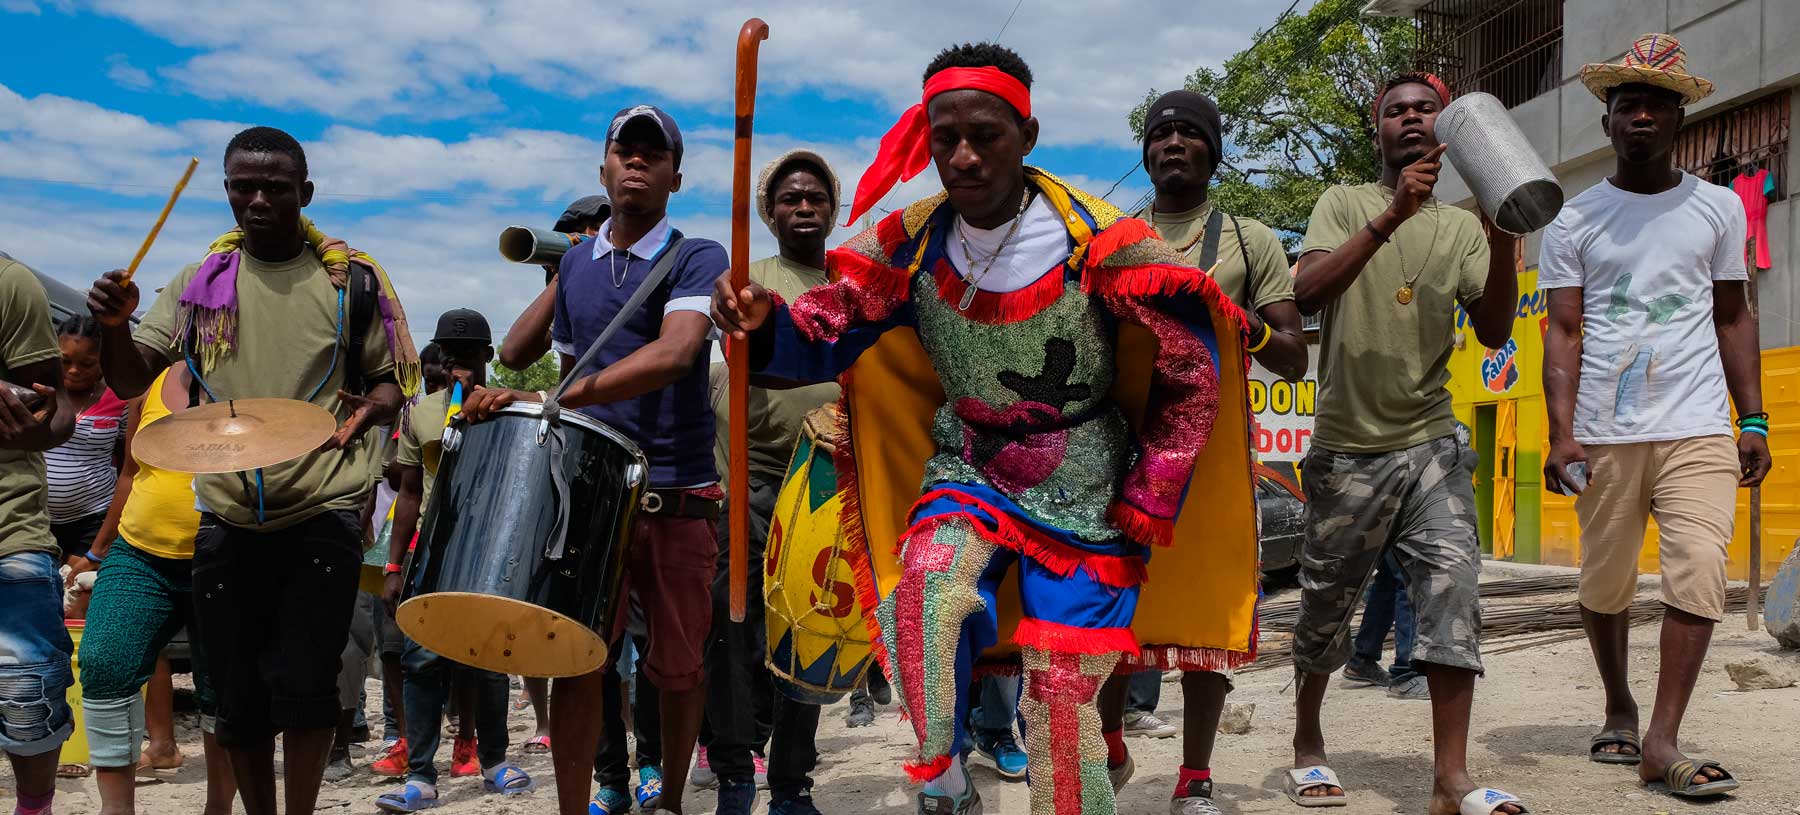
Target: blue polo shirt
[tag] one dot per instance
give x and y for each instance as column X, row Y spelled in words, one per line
column 674, row 425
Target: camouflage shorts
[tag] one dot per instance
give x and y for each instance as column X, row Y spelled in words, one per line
column 1420, row 502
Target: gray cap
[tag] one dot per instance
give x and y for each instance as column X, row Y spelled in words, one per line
column 773, row 168
column 586, row 208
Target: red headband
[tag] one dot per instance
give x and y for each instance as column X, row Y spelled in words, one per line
column 906, row 149
column 1429, row 80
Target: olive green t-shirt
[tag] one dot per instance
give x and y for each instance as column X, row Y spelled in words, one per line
column 1383, row 366
column 1266, row 280
column 287, row 347
column 776, row 416
column 26, row 337
column 424, row 424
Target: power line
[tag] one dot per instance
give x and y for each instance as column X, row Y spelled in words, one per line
column 1009, row 18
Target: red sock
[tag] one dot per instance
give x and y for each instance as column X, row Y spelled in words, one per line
column 1115, row 747
column 1188, row 775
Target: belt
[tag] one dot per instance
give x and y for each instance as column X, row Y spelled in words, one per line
column 678, row 504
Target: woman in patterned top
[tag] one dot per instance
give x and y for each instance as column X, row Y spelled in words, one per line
column 84, row 471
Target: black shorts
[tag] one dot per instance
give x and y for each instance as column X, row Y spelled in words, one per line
column 274, row 612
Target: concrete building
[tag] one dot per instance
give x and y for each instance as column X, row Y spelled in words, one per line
column 1529, row 53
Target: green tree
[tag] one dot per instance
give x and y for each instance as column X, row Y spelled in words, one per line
column 538, row 376
column 1296, row 108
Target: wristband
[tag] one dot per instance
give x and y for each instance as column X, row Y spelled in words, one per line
column 393, row 568
column 89, row 554
column 1263, row 341
column 1763, row 415
column 1376, row 232
column 1760, row 431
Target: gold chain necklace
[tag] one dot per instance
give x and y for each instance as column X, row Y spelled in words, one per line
column 1405, row 295
column 968, row 297
column 1190, row 244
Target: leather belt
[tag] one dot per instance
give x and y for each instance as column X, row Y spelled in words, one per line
column 678, row 504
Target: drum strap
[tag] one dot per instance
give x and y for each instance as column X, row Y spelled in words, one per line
column 552, row 429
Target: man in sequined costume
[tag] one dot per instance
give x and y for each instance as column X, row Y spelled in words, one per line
column 1016, row 286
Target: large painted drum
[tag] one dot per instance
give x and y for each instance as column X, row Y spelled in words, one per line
column 818, row 640
column 482, row 588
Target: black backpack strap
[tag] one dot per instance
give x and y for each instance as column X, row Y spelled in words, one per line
column 1244, row 249
column 361, row 293
column 1209, row 246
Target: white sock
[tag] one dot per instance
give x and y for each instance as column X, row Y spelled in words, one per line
column 951, row 784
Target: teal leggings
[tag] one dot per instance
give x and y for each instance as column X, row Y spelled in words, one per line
column 140, row 602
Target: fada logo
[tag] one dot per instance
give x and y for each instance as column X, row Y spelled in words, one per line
column 1499, row 370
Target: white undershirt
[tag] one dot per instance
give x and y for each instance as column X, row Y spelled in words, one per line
column 1041, row 244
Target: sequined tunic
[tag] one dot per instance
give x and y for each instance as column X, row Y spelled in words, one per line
column 1027, row 411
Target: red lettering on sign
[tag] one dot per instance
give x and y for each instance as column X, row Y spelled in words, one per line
column 843, row 595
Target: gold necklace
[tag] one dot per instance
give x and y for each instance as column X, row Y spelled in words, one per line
column 1190, row 244
column 1405, row 295
column 968, row 297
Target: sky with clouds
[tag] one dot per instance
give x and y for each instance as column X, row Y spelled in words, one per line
column 430, row 127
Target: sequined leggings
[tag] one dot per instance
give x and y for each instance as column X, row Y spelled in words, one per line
column 942, row 615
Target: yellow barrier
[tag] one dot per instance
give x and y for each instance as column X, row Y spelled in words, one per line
column 75, row 750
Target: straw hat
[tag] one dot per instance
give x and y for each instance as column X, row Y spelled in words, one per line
column 1655, row 59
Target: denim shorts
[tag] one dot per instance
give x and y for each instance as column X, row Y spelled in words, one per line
column 34, row 656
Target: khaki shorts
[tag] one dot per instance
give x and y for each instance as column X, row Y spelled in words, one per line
column 1690, row 487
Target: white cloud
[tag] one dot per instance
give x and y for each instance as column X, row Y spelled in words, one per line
column 1092, row 59
column 119, row 69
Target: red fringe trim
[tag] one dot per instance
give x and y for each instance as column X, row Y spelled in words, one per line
column 868, row 274
column 1117, row 571
column 1067, row 639
column 923, row 771
column 890, row 232
column 857, row 553
column 1124, row 232
column 1141, row 526
column 999, row 308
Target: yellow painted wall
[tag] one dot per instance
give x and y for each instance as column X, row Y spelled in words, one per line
column 1553, row 536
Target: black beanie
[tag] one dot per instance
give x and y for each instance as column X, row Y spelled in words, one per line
column 1196, row 109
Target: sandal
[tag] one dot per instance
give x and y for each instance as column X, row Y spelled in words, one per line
column 1621, row 738
column 537, row 745
column 1301, row 779
column 1487, row 801
column 1679, row 780
column 507, row 779
column 73, row 771
column 410, row 798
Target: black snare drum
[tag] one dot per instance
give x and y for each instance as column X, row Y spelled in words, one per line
column 480, row 589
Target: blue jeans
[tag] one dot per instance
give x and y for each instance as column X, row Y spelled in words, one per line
column 1387, row 607
column 428, row 691
column 1143, row 691
column 997, row 705
column 34, row 656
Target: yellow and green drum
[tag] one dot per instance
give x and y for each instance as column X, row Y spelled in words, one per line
column 818, row 640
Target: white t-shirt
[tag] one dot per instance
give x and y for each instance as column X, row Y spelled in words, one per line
column 1041, row 244
column 1650, row 368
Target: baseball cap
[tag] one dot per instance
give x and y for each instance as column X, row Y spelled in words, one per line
column 586, row 208
column 665, row 124
column 462, row 325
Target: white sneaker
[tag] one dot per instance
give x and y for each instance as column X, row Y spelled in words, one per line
column 762, row 771
column 1147, row 725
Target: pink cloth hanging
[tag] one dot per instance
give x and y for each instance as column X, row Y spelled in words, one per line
column 1749, row 188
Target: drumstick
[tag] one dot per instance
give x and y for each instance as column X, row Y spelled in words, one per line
column 737, row 353
column 151, row 238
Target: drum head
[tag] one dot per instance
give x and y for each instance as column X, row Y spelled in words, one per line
column 502, row 635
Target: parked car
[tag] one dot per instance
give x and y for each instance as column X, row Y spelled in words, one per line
column 1283, row 517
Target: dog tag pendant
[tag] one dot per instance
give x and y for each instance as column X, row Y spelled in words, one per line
column 1404, row 295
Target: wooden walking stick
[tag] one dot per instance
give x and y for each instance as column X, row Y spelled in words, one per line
column 737, row 354
column 144, row 248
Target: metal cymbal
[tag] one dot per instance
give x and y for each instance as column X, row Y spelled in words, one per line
column 227, row 437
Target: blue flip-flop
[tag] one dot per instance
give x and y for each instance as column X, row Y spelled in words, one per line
column 507, row 779
column 410, row 798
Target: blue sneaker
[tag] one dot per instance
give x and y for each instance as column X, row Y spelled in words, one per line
column 1009, row 760
column 609, row 801
column 650, row 787
column 736, row 797
column 800, row 803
